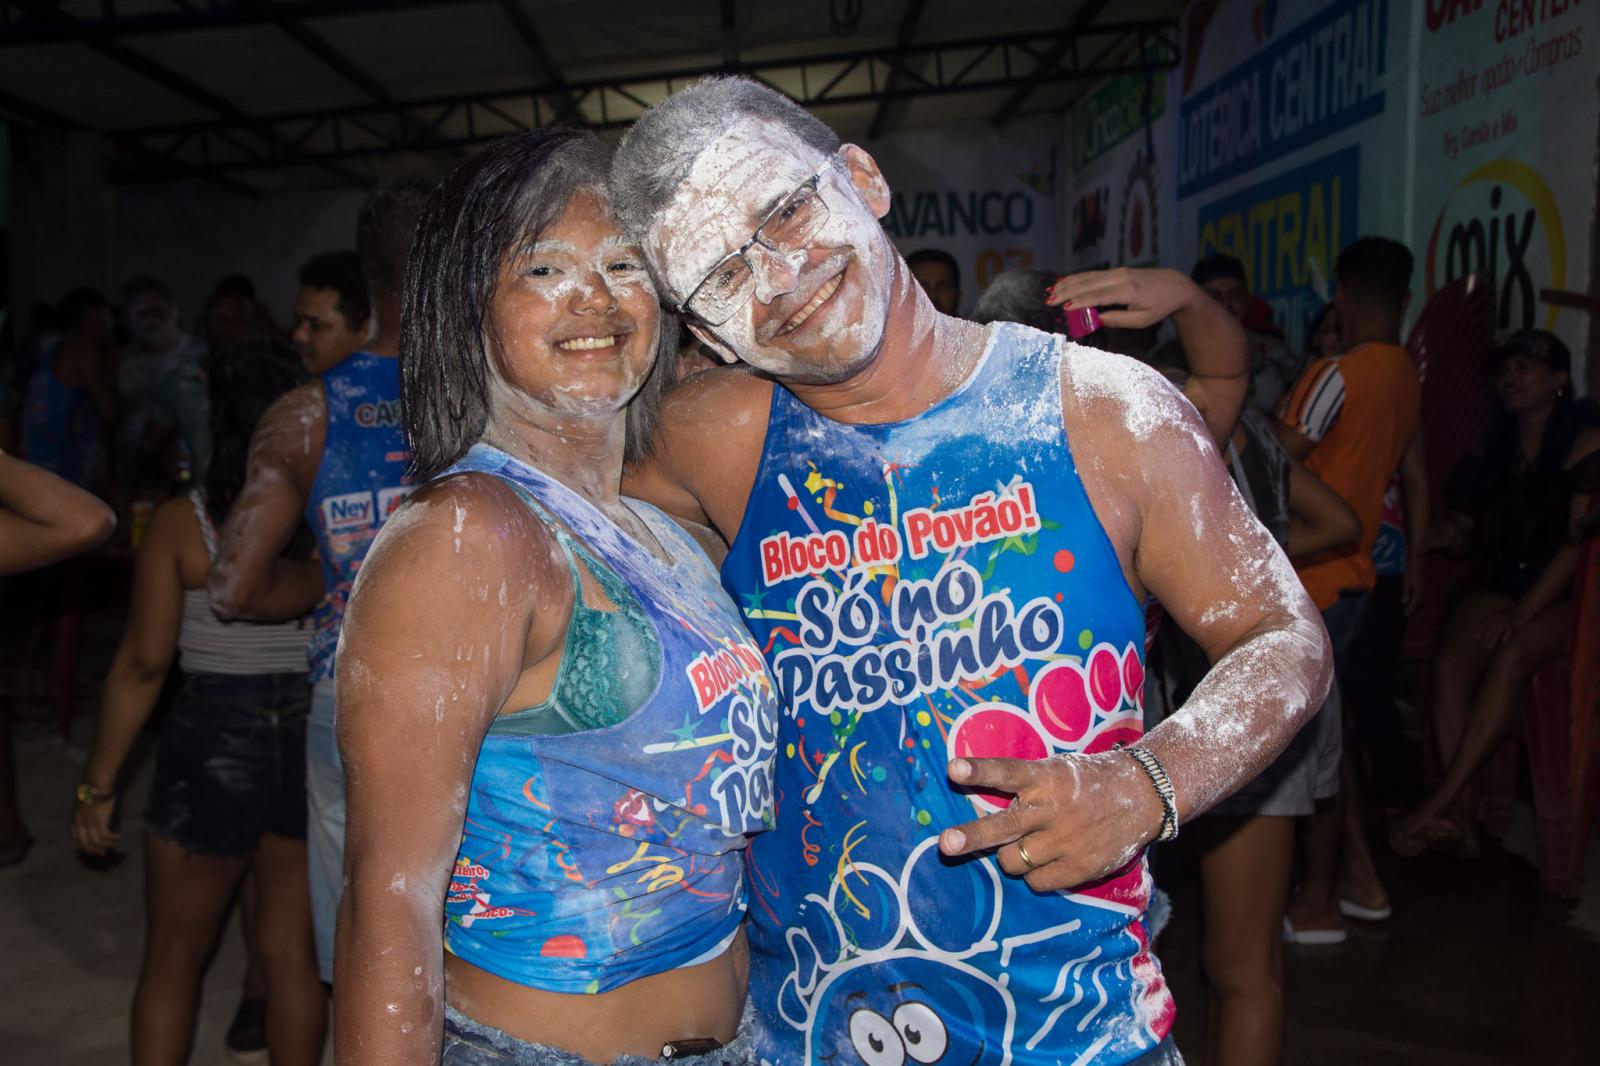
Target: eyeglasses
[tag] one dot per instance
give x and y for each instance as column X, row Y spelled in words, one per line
column 784, row 230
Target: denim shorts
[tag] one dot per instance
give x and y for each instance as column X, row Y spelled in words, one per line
column 231, row 763
column 471, row 1043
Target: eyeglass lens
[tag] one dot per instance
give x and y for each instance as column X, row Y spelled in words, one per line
column 786, row 230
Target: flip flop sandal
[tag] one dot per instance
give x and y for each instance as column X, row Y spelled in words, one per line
column 1351, row 909
column 1311, row 937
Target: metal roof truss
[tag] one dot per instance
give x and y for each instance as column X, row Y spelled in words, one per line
column 900, row 70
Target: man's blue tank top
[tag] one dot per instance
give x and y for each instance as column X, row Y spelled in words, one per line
column 361, row 479
column 594, row 858
column 922, row 590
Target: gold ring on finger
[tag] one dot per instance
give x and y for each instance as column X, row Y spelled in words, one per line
column 1023, row 851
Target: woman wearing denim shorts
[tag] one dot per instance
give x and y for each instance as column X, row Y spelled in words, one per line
column 228, row 797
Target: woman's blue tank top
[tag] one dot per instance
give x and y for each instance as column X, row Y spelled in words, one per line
column 922, row 590
column 590, row 859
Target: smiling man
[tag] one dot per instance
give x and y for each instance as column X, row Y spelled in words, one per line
column 943, row 536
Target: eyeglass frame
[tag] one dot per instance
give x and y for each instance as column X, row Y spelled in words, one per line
column 813, row 183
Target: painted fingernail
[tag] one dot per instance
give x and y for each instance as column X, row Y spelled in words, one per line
column 954, row 840
column 960, row 768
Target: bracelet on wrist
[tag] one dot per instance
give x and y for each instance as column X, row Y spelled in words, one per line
column 90, row 796
column 1164, row 791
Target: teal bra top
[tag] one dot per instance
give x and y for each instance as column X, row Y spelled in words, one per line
column 610, row 660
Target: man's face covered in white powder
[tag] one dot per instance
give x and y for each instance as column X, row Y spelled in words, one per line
column 815, row 315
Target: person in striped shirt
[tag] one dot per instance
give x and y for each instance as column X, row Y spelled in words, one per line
column 1351, row 419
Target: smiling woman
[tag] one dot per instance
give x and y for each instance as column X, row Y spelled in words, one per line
column 529, row 759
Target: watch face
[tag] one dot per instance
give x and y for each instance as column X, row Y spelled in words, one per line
column 87, row 794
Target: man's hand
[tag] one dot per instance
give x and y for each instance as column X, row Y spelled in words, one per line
column 1075, row 818
column 1149, row 295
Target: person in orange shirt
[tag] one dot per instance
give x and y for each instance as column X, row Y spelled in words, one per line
column 1351, row 419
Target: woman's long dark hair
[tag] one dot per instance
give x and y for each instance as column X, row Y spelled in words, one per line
column 242, row 381
column 489, row 208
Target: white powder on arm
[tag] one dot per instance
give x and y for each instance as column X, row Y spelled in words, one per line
column 424, row 666
column 284, row 454
column 1190, row 540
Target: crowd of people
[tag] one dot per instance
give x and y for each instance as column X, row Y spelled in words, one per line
column 556, row 694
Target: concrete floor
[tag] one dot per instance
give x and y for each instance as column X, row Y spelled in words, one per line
column 1475, row 968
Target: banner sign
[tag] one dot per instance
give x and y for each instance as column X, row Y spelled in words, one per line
column 1322, row 76
column 1289, row 143
column 985, row 194
column 1279, row 227
column 1506, row 113
column 1122, row 208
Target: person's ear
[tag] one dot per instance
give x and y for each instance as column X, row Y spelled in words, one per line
column 709, row 339
column 867, row 178
column 1405, row 304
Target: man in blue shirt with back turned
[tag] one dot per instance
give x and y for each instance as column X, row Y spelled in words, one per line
column 331, row 454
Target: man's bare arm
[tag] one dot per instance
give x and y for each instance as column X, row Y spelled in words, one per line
column 250, row 578
column 708, row 445
column 1157, row 485
column 1212, row 339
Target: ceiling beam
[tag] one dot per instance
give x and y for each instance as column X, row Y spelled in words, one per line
column 26, row 111
column 559, row 100
column 30, row 28
column 861, row 76
column 144, row 66
column 15, row 108
column 908, row 33
column 1081, row 24
column 177, row 83
column 340, row 64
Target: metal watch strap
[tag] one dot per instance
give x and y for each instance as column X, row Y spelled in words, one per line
column 1169, row 796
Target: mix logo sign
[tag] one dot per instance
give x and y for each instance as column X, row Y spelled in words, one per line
column 1502, row 222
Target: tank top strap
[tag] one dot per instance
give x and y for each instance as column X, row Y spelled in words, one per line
column 590, row 529
column 208, row 532
column 569, row 547
column 673, row 537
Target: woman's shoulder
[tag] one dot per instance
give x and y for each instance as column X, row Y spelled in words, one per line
column 467, row 519
column 174, row 533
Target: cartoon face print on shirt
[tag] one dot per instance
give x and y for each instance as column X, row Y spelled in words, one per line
column 894, row 969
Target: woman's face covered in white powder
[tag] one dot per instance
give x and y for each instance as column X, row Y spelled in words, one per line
column 575, row 318
column 816, row 315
